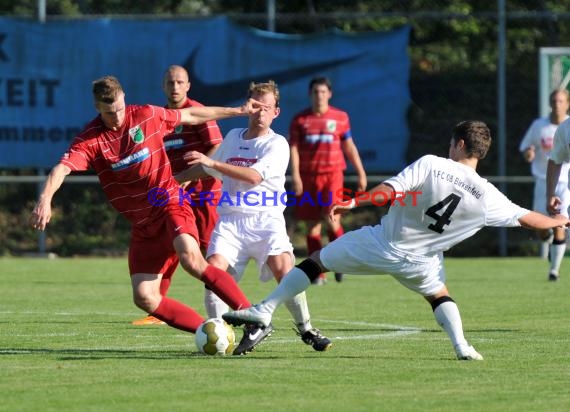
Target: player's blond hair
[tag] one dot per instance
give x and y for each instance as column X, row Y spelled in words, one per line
column 106, row 89
column 476, row 136
column 263, row 88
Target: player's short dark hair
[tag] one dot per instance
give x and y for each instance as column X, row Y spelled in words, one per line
column 321, row 80
column 262, row 88
column 106, row 89
column 555, row 92
column 476, row 136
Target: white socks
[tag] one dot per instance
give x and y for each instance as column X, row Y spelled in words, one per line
column 300, row 311
column 556, row 255
column 448, row 317
column 215, row 307
column 295, row 282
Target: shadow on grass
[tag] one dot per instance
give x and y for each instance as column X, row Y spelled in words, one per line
column 102, row 354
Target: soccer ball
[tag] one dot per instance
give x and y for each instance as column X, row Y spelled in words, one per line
column 215, row 337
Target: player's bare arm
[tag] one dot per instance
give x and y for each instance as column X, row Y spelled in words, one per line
column 362, row 200
column 552, row 175
column 297, row 183
column 353, row 156
column 41, row 214
column 197, row 115
column 195, row 172
column 534, row 220
column 245, row 174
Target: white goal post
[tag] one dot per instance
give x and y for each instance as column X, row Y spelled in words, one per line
column 553, row 73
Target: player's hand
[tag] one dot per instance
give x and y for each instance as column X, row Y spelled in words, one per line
column 564, row 221
column 252, row 106
column 529, row 154
column 553, row 205
column 194, row 158
column 41, row 215
column 339, row 209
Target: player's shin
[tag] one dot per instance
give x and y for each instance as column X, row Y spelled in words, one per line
column 224, row 285
column 178, row 315
column 557, row 251
column 447, row 316
column 215, row 307
column 299, row 309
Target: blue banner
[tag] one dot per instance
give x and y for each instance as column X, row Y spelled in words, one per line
column 46, row 72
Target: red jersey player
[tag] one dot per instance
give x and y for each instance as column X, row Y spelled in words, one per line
column 319, row 138
column 204, row 138
column 124, row 145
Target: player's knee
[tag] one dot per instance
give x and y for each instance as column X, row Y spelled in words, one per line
column 146, row 301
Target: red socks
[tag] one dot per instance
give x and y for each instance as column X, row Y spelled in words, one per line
column 313, row 244
column 182, row 317
column 178, row 315
column 225, row 286
column 335, row 235
column 164, row 286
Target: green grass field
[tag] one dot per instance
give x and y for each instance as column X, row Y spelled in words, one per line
column 66, row 344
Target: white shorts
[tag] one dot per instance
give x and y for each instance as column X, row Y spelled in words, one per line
column 539, row 201
column 241, row 237
column 365, row 252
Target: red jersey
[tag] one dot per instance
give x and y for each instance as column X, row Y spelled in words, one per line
column 131, row 163
column 318, row 138
column 200, row 138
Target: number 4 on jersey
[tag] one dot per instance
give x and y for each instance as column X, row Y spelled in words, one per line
column 451, row 202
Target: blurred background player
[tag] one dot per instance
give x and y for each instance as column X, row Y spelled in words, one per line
column 318, row 137
column 536, row 147
column 204, row 138
column 254, row 160
column 559, row 157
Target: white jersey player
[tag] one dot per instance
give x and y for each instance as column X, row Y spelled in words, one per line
column 536, row 147
column 559, row 156
column 252, row 164
column 445, row 202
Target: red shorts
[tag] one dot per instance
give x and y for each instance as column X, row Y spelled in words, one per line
column 151, row 249
column 206, row 217
column 318, row 196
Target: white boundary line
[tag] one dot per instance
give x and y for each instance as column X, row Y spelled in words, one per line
column 395, row 331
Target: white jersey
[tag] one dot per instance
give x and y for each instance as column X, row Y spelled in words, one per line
column 561, row 150
column 269, row 155
column 452, row 202
column 540, row 134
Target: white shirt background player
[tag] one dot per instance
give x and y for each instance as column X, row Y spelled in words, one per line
column 535, row 147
